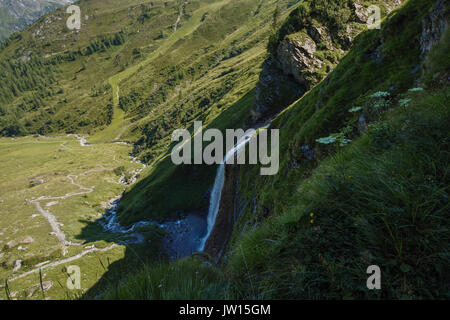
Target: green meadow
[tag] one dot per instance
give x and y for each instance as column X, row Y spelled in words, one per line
column 38, row 166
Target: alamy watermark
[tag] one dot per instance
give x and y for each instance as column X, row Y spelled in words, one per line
column 374, row 280
column 374, row 18
column 235, row 144
column 74, row 21
column 74, row 277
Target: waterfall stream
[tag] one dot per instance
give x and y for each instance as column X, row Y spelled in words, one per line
column 216, row 193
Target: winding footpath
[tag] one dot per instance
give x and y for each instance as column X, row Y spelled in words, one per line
column 111, row 134
column 51, row 218
column 180, row 15
column 55, row 225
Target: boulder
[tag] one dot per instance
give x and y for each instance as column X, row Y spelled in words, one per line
column 27, row 240
column 11, row 244
column 46, row 285
column 37, row 182
column 17, row 265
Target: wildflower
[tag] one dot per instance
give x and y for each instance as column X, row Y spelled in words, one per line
column 312, row 221
column 380, row 94
column 311, row 214
column 355, row 109
column 404, row 102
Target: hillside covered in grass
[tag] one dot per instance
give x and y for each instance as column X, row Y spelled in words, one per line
column 224, row 90
column 364, row 148
column 363, row 181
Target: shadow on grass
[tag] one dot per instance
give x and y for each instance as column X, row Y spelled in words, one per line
column 168, row 193
column 136, row 255
column 169, row 190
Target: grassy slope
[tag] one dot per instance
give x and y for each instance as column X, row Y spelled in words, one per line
column 75, row 104
column 115, row 129
column 81, row 94
column 381, row 200
column 219, row 66
column 321, row 256
column 28, row 159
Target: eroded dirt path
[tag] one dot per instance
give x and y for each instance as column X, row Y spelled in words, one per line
column 51, row 218
column 180, row 15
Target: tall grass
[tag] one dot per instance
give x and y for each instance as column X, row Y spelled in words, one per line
column 185, row 279
column 373, row 203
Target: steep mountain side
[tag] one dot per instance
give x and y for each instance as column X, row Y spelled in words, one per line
column 363, row 181
column 212, row 75
column 334, row 209
column 15, row 15
column 308, row 46
column 364, row 145
column 220, row 76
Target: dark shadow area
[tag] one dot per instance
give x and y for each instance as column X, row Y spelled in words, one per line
column 180, row 192
column 136, row 254
column 145, row 244
column 170, row 191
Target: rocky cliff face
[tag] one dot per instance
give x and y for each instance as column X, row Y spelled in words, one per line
column 301, row 61
column 231, row 207
column 304, row 58
column 309, row 54
column 433, row 26
column 296, row 57
column 275, row 90
column 289, row 75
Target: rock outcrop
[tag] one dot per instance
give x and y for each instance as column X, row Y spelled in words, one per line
column 360, row 11
column 433, row 26
column 302, row 59
column 296, row 57
column 11, row 244
column 274, row 91
column 27, row 240
column 17, row 265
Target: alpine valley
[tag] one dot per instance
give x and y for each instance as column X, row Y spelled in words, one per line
column 93, row 207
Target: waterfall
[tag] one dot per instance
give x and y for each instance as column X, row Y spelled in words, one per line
column 216, row 193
